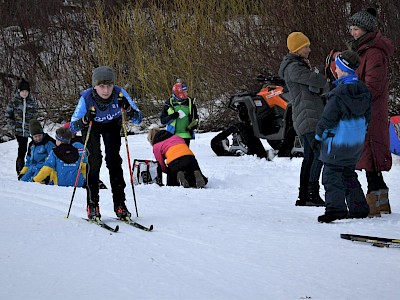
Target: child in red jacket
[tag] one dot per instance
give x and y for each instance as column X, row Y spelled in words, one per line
column 176, row 159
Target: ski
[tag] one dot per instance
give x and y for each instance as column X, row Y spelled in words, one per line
column 135, row 224
column 103, row 225
column 373, row 240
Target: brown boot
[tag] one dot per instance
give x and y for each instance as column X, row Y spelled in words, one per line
column 373, row 203
column 384, row 204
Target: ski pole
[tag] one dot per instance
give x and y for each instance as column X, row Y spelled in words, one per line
column 129, row 158
column 80, row 165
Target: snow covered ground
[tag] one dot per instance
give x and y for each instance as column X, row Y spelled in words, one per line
column 240, row 238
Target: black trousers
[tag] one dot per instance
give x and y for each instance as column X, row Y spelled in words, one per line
column 187, row 164
column 110, row 132
column 343, row 192
column 22, row 146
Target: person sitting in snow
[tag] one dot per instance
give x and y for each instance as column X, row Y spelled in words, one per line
column 78, row 142
column 38, row 150
column 180, row 113
column 63, row 162
column 340, row 134
column 176, row 159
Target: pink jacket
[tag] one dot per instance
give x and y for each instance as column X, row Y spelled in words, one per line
column 169, row 150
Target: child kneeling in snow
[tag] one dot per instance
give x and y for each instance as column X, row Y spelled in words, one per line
column 63, row 162
column 38, row 150
column 176, row 159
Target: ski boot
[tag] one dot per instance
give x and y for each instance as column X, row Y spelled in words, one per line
column 93, row 212
column 122, row 212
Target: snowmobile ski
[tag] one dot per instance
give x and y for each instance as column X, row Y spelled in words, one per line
column 135, row 224
column 103, row 225
column 373, row 240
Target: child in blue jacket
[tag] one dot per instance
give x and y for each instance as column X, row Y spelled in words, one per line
column 101, row 106
column 340, row 134
column 38, row 150
column 63, row 162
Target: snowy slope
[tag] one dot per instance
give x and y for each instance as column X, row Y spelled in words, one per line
column 240, row 238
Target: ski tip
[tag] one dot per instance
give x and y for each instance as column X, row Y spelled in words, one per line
column 151, row 228
column 345, row 236
column 116, row 228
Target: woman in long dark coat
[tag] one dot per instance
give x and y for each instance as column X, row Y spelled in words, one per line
column 374, row 50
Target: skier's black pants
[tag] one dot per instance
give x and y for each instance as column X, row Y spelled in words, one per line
column 112, row 145
column 187, row 164
column 341, row 186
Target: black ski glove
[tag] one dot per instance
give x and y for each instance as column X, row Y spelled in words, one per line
column 124, row 103
column 90, row 115
column 174, row 115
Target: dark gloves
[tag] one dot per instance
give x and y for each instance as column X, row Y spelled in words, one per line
column 124, row 103
column 90, row 115
column 135, row 114
column 316, row 145
column 174, row 115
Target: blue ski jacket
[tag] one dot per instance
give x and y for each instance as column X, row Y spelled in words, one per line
column 105, row 113
column 343, row 125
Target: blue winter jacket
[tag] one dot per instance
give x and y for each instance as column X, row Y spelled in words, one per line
column 62, row 166
column 36, row 157
column 107, row 113
column 344, row 122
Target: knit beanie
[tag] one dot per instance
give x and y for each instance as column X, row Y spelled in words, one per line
column 23, row 85
column 348, row 61
column 365, row 20
column 35, row 127
column 64, row 135
column 103, row 74
column 296, row 41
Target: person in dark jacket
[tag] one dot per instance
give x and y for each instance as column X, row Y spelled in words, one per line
column 19, row 112
column 341, row 132
column 38, row 151
column 176, row 159
column 374, row 50
column 305, row 87
column 101, row 107
column 179, row 113
column 62, row 164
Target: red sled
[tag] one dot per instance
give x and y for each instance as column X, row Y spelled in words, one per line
column 394, row 131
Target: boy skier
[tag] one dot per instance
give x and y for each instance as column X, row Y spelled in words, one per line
column 101, row 107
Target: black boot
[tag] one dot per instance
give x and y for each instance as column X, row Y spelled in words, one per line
column 93, row 211
column 121, row 211
column 313, row 195
column 302, row 199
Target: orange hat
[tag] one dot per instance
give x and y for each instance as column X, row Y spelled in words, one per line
column 296, row 41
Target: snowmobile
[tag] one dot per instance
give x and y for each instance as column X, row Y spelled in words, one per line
column 264, row 114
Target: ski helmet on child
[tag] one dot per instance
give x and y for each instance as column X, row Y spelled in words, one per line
column 330, row 65
column 179, row 91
